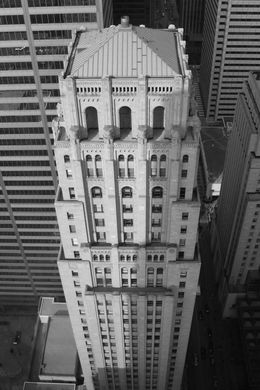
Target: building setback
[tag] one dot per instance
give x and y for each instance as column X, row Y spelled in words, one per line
column 230, row 50
column 34, row 38
column 236, row 236
column 127, row 205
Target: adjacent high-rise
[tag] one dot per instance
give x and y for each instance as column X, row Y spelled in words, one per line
column 127, row 148
column 236, row 238
column 34, row 38
column 191, row 19
column 230, row 50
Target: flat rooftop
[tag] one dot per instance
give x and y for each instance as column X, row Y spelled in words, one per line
column 48, row 386
column 60, row 354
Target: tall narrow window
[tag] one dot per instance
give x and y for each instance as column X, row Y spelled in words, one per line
column 92, row 118
column 72, row 193
column 158, row 118
column 159, row 277
column 150, row 277
column 153, row 165
column 90, row 170
column 182, row 192
column 121, row 165
column 130, row 165
column 125, row 121
column 98, row 163
column 66, row 158
column 163, row 165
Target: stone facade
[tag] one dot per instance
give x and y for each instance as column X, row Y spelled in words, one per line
column 127, row 154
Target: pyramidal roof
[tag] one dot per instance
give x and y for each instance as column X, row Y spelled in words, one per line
column 126, row 52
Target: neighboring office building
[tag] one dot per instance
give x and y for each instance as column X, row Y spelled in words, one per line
column 139, row 11
column 230, row 50
column 127, row 155
column 191, row 19
column 34, row 38
column 236, row 237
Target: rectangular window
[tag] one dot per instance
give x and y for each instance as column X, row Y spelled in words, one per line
column 182, row 284
column 69, row 173
column 182, row 192
column 76, row 254
column 181, row 255
column 98, row 208
column 156, row 236
column 127, row 208
column 72, row 228
column 182, row 242
column 74, row 273
column 128, row 222
column 185, row 216
column 100, row 222
column 70, row 216
column 156, row 208
column 184, row 173
column 101, row 236
column 72, row 193
column 74, row 241
column 128, row 236
column 156, row 222
column 183, row 229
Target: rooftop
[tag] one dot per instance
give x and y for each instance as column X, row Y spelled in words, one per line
column 59, row 357
column 126, row 51
column 48, row 386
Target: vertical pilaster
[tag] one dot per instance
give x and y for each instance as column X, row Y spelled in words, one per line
column 141, row 186
column 141, row 313
column 110, row 193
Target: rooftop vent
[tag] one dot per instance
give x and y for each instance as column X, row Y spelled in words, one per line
column 171, row 27
column 125, row 21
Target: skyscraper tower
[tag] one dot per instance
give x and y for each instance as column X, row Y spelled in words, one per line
column 127, row 146
column 191, row 19
column 237, row 226
column 230, row 50
column 34, row 38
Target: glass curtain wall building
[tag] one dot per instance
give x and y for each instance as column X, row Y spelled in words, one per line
column 34, row 40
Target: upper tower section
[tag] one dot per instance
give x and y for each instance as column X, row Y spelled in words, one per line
column 126, row 82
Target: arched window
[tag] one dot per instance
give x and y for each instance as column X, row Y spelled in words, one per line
column 130, row 165
column 96, row 192
column 107, row 257
column 122, row 258
column 101, row 257
column 162, row 258
column 90, row 170
column 98, row 163
column 125, row 122
column 127, row 192
column 157, row 192
column 163, row 165
column 149, row 258
column 95, row 258
column 153, row 165
column 155, row 258
column 66, row 158
column 121, row 165
column 91, row 118
column 158, row 118
column 128, row 258
column 134, row 258
column 185, row 158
